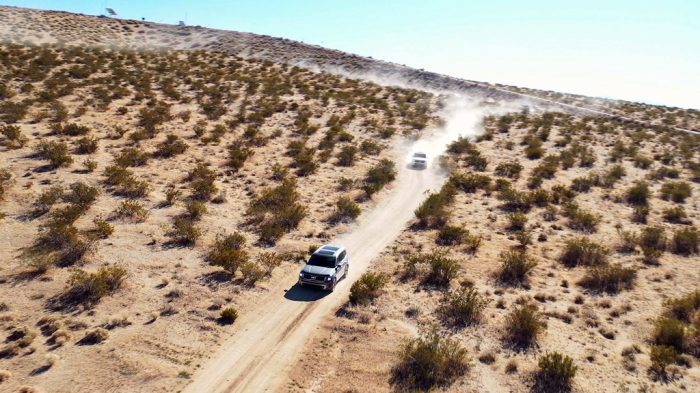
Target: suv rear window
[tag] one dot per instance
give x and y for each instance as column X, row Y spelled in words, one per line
column 321, row 260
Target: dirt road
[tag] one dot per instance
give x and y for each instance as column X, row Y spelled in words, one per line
column 258, row 357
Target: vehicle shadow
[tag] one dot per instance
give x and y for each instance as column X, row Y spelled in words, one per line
column 298, row 293
column 410, row 167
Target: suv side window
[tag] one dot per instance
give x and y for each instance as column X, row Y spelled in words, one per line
column 342, row 255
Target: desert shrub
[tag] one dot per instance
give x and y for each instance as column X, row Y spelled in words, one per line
column 87, row 145
column 345, row 209
column 95, row 336
column 550, row 213
column 379, row 175
column 82, row 195
column 202, row 182
column 11, row 112
column 371, row 147
column 90, row 165
column 547, row 168
column 514, row 200
column 515, row 265
column 440, row 268
column 91, row 287
column 582, row 220
column 670, row 332
column 610, row 278
column 433, row 211
column 534, row 182
column 470, row 182
column 172, row 194
column 15, row 138
column 269, row 261
column 270, row 233
column 451, row 235
column 55, row 152
column 184, row 231
column 132, row 210
column 386, row 132
column 238, row 154
column 172, row 146
column 229, row 315
column 584, row 184
column 472, row 243
column 561, row 194
column 195, row 209
column 555, row 372
column 662, row 356
column 686, row 241
column 117, row 175
column 461, row 306
column 102, row 229
column 368, row 287
column 534, row 152
column 347, row 154
column 228, row 252
column 653, row 237
column 638, row 194
column 475, row 160
column 509, row 169
column 675, row 214
column 524, row 324
column 684, row 307
column 541, row 198
column 5, row 375
column 252, row 272
column 677, row 191
column 642, row 162
column 72, row 129
column 628, row 241
column 460, row 146
column 524, row 237
column 305, row 164
column 49, row 197
column 640, row 214
column 132, row 156
column 516, row 221
column 279, row 172
column 429, row 361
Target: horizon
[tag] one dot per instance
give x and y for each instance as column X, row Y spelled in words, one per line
column 631, row 51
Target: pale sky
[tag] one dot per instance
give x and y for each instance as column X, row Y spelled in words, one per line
column 638, row 50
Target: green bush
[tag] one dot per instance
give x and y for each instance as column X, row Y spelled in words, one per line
column 653, row 237
column 662, row 356
column 229, row 315
column 172, row 146
column 72, row 129
column 87, row 145
column 509, row 169
column 371, row 147
column 238, row 154
column 55, row 152
column 131, row 210
column 195, row 209
column 684, row 307
column 515, row 200
column 677, row 191
column 516, row 220
column 379, row 175
column 686, row 241
column 581, row 220
column 638, row 194
column 524, row 324
column 347, row 154
column 81, row 195
column 428, row 362
column 345, row 208
column 628, row 241
column 184, row 231
column 15, row 138
column 675, row 215
column 433, row 211
column 640, row 214
column 547, row 168
column 555, row 372
column 440, row 268
column 461, row 306
column 252, row 272
column 228, row 252
column 90, row 165
column 91, row 287
column 610, row 278
column 11, row 112
column 202, row 182
column 670, row 332
column 368, row 287
column 102, row 229
column 49, row 197
column 269, row 261
column 451, row 235
column 470, row 182
column 131, row 156
column 515, row 266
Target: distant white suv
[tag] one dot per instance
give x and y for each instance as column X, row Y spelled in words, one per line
column 326, row 267
column 420, row 159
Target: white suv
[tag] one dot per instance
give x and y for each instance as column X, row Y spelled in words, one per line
column 325, row 268
column 420, row 159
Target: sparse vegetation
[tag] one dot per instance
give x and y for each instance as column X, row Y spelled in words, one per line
column 367, row 288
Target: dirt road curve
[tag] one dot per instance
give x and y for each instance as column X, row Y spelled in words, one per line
column 258, row 356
